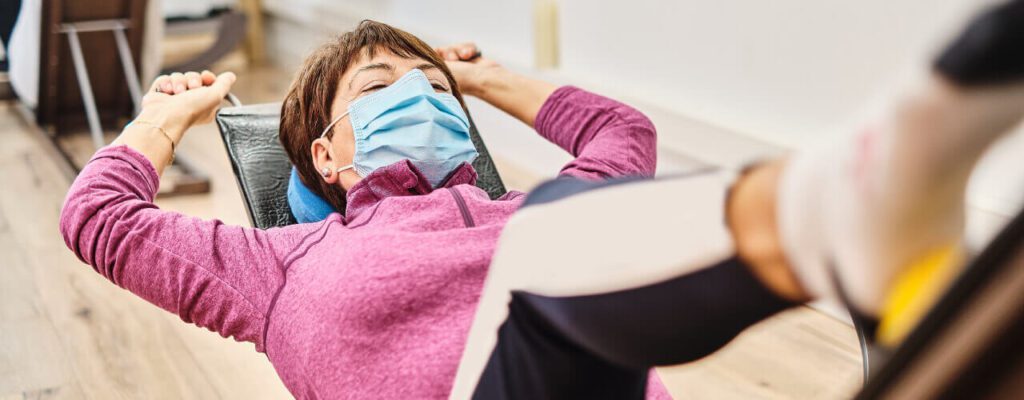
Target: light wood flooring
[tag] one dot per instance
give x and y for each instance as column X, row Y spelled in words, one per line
column 67, row 333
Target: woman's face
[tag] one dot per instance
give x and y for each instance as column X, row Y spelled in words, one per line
column 364, row 77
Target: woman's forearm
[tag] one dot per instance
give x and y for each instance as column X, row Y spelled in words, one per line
column 606, row 137
column 515, row 94
column 155, row 137
column 201, row 270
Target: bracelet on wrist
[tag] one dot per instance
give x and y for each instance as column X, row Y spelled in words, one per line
column 163, row 132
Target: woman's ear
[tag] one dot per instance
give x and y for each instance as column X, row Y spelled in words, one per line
column 323, row 159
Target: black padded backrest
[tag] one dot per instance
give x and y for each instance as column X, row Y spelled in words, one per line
column 262, row 167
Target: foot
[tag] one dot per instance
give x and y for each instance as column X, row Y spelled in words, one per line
column 890, row 198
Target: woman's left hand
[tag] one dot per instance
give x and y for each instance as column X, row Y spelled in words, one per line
column 467, row 65
column 182, row 100
column 174, row 103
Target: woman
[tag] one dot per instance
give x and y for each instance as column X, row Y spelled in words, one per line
column 704, row 257
column 375, row 302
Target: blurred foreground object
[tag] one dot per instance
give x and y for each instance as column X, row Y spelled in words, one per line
column 968, row 345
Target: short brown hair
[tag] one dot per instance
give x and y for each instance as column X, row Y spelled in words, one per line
column 306, row 110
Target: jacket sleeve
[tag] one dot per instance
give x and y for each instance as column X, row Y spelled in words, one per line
column 607, row 138
column 216, row 276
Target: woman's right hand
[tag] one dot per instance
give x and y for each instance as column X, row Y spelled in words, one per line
column 181, row 100
column 468, row 66
column 515, row 94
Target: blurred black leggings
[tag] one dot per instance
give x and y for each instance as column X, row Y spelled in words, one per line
column 8, row 15
column 9, row 10
column 601, row 346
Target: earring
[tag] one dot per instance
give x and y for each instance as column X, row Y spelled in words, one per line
column 326, row 172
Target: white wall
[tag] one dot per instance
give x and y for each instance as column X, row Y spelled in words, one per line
column 503, row 28
column 781, row 70
column 715, row 75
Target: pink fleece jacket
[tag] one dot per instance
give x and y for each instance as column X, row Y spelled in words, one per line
column 373, row 304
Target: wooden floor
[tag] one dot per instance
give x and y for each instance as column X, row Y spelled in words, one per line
column 67, row 333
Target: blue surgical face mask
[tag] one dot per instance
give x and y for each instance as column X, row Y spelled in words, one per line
column 409, row 120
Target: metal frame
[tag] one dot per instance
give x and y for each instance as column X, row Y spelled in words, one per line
column 117, row 27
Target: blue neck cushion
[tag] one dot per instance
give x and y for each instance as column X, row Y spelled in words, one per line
column 306, row 206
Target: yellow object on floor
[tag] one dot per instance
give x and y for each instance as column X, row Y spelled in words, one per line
column 916, row 291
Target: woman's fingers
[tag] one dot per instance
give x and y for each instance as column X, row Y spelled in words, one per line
column 458, row 52
column 447, row 53
column 216, row 92
column 466, row 50
column 160, row 89
column 166, row 84
column 195, row 96
column 222, row 84
column 208, row 77
column 160, row 83
column 192, row 80
column 213, row 94
column 178, row 82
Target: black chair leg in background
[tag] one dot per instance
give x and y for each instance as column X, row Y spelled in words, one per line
column 9, row 10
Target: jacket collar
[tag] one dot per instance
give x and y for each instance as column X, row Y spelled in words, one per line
column 399, row 179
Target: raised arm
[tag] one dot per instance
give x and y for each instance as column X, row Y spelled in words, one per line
column 607, row 138
column 216, row 276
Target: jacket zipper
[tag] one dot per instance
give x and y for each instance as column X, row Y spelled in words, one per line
column 466, row 217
